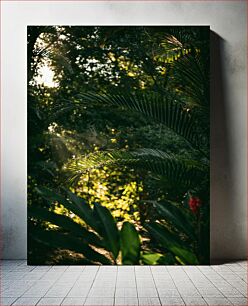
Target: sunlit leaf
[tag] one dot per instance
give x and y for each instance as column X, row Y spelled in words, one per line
column 130, row 244
column 86, row 212
column 151, row 258
column 66, row 224
column 176, row 169
column 108, row 229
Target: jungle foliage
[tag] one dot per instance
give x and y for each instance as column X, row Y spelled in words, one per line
column 118, row 145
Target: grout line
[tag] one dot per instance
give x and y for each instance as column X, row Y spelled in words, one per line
column 117, row 268
column 211, row 281
column 237, row 304
column 175, row 285
column 169, row 272
column 14, row 301
column 237, row 273
column 185, row 271
column 38, row 301
column 97, row 271
column 155, row 286
column 38, row 281
column 135, row 278
column 73, row 283
column 227, row 281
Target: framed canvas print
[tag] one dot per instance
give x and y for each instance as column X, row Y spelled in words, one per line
column 118, row 145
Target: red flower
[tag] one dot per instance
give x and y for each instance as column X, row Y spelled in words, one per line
column 194, row 204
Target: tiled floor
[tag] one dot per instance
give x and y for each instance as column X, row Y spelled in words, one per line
column 123, row 285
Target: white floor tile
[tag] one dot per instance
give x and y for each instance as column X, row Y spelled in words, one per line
column 59, row 268
column 126, row 292
column 189, row 292
column 91, row 269
column 230, row 292
column 58, row 291
column 105, row 275
column 73, row 301
column 145, row 283
column 127, row 269
column 75, row 269
column 149, row 301
column 102, row 292
column 4, row 301
column 26, row 301
column 79, row 291
column 99, row 301
column 15, row 275
column 121, row 301
column 147, row 292
column 143, row 269
column 166, row 301
column 42, row 268
column 85, row 280
column 239, row 301
column 100, row 284
column 164, row 292
column 50, row 301
column 125, row 283
column 108, row 269
column 38, row 290
column 217, row 301
column 194, row 301
column 13, row 292
column 210, row 292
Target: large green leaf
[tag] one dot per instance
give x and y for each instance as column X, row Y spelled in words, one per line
column 77, row 205
column 130, row 244
column 85, row 211
column 100, row 219
column 108, row 230
column 51, row 195
column 176, row 216
column 171, row 242
column 59, row 240
column 66, row 224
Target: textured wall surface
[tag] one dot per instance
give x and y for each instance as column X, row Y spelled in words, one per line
column 228, row 104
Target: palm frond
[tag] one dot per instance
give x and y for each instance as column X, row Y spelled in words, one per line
column 171, row 49
column 190, row 77
column 168, row 110
column 174, row 168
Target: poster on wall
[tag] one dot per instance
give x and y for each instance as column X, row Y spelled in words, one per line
column 118, row 145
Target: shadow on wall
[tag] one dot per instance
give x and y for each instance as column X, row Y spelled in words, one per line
column 221, row 170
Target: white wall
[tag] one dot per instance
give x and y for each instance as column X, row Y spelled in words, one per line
column 229, row 97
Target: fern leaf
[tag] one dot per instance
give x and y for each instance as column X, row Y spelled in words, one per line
column 167, row 110
column 181, row 171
